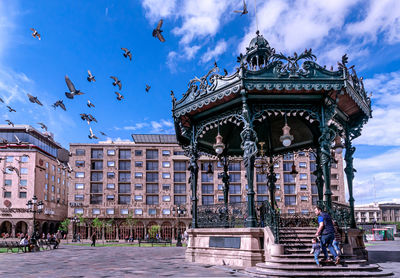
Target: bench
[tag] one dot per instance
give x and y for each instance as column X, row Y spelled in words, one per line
column 44, row 244
column 156, row 241
column 11, row 245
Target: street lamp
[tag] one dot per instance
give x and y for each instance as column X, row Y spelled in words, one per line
column 75, row 221
column 219, row 146
column 178, row 210
column 34, row 206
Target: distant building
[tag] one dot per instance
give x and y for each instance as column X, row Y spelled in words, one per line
column 147, row 179
column 390, row 212
column 41, row 171
column 368, row 213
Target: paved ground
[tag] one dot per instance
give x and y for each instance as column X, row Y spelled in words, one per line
column 84, row 261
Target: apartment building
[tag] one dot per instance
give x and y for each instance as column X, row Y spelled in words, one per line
column 368, row 213
column 147, row 180
column 32, row 164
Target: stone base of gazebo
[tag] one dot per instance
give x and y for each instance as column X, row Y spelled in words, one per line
column 239, row 247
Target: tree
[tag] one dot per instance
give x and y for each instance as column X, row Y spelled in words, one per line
column 130, row 222
column 97, row 224
column 153, row 231
column 64, row 226
column 82, row 221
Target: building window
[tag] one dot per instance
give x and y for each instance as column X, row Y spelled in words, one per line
column 303, row 176
column 234, row 177
column 314, row 200
column 138, row 211
column 110, row 211
column 22, row 195
column 180, row 166
column 151, row 154
column 312, row 156
column 124, row 188
column 125, row 165
column 287, row 166
column 110, row 197
column 262, row 198
column 152, row 200
column 52, row 188
column 290, row 200
column 333, row 176
column 179, row 177
column 8, row 182
column 7, row 194
column 207, row 189
column 313, row 166
column 96, row 188
column 95, row 211
column 47, row 165
column 96, row 176
column 334, row 165
column 138, row 198
column 290, row 189
column 124, row 177
column 234, row 166
column 52, row 178
column 80, row 152
column 262, row 189
column 166, row 164
column 152, row 177
column 45, row 197
column 166, row 211
column 139, row 175
column 303, row 164
column 261, row 178
column 206, row 177
column 138, row 152
column 97, row 154
column 138, row 163
column 138, row 186
column 278, row 198
column 207, row 200
column 151, row 165
column 78, row 197
column 166, row 175
column 166, row 198
column 335, row 187
column 291, row 211
column 288, row 178
column 24, row 171
column 9, row 159
column 124, row 211
column 235, row 199
column 78, row 186
column 166, row 186
column 78, row 211
column 303, row 186
column 22, row 183
column 124, row 199
column 278, row 176
column 179, row 153
column 58, row 180
column 124, row 154
column 235, row 189
column 166, row 153
column 220, row 198
column 180, row 188
column 220, row 187
column 110, row 186
column 305, row 211
column 110, row 175
column 24, row 158
column 96, row 199
column 152, row 211
column 152, row 188
column 110, row 152
column 79, row 175
column 278, row 187
column 288, row 156
column 179, row 200
column 111, row 164
column 303, row 198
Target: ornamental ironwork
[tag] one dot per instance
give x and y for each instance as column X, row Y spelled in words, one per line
column 232, row 215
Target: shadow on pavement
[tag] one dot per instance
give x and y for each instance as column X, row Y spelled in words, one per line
column 383, row 256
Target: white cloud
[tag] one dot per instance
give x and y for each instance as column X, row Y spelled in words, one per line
column 158, row 9
column 136, row 126
column 219, row 48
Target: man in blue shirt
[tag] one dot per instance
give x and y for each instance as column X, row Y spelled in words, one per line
column 327, row 233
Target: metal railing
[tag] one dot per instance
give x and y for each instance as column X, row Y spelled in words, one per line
column 232, row 215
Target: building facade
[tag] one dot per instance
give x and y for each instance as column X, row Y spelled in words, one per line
column 368, row 213
column 390, row 212
column 34, row 166
column 135, row 185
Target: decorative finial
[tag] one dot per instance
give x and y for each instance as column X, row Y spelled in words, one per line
column 258, row 33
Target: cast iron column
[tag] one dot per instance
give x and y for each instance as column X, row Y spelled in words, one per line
column 194, row 172
column 249, row 147
column 349, row 170
column 271, row 183
column 318, row 173
column 225, row 180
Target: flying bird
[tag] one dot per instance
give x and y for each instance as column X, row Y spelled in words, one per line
column 72, row 91
column 89, row 104
column 34, row 99
column 1, row 100
column 59, row 103
column 127, row 53
column 244, row 11
column 157, row 32
column 91, row 136
column 10, row 123
column 147, row 88
column 18, row 140
column 119, row 96
column 11, row 109
column 116, row 82
column 3, row 141
column 225, row 72
column 43, row 126
column 35, row 34
column 12, row 168
column 91, row 118
column 102, row 133
column 90, row 77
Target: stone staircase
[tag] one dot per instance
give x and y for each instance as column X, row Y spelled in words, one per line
column 298, row 262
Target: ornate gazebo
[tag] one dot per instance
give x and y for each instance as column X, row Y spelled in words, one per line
column 290, row 103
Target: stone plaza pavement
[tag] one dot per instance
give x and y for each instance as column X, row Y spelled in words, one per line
column 85, row 261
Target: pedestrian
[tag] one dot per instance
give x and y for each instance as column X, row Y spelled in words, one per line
column 58, row 237
column 186, row 236
column 316, row 249
column 327, row 233
column 338, row 238
column 93, row 239
column 79, row 237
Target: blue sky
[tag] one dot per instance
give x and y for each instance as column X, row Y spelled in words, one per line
column 82, row 35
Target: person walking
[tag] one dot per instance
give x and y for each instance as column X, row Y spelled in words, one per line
column 316, row 249
column 58, row 237
column 93, row 239
column 327, row 233
column 338, row 238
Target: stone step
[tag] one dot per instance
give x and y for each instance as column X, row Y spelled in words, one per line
column 308, row 268
column 307, row 261
column 308, row 255
column 295, row 240
column 319, row 272
column 307, row 236
column 297, row 250
column 298, row 228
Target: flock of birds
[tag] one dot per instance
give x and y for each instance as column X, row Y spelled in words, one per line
column 73, row 92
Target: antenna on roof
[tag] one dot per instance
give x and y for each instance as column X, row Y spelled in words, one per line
column 255, row 11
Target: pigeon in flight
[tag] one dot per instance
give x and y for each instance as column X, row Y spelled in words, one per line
column 225, row 72
column 157, row 32
column 10, row 123
column 72, row 91
column 19, row 142
column 147, row 88
column 12, row 168
column 35, row 34
column 127, row 53
column 116, row 82
column 43, row 126
column 91, row 136
column 3, row 141
column 119, row 96
column 89, row 104
column 11, row 109
column 244, row 11
column 91, row 118
column 1, row 100
column 34, row 99
column 90, row 77
column 102, row 133
column 59, row 103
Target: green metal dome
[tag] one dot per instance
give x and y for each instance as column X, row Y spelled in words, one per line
column 258, row 42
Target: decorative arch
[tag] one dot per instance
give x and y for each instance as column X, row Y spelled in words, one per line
column 138, row 230
column 166, row 230
column 45, row 228
column 5, row 228
column 21, row 228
